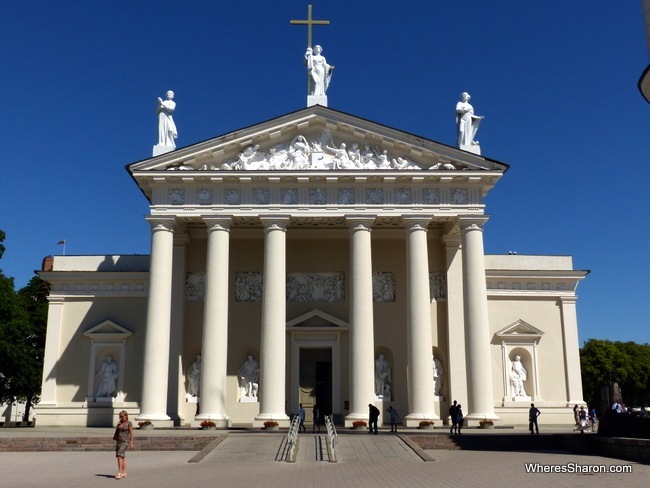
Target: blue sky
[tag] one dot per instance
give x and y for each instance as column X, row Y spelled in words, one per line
column 556, row 81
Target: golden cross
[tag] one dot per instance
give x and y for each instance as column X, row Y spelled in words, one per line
column 309, row 22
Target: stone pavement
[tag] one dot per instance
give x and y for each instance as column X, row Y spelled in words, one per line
column 248, row 459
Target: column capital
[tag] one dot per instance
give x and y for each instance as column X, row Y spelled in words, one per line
column 472, row 222
column 275, row 222
column 168, row 224
column 360, row 222
column 416, row 222
column 221, row 223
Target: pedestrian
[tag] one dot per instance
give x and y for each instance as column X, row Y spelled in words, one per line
column 453, row 415
column 315, row 412
column 301, row 418
column 394, row 417
column 459, row 418
column 593, row 418
column 576, row 418
column 582, row 416
column 124, row 439
column 533, row 413
column 373, row 417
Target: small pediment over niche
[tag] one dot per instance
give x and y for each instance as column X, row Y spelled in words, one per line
column 317, row 318
column 108, row 331
column 520, row 331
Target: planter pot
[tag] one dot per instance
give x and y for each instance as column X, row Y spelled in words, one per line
column 426, row 427
column 486, row 426
column 209, row 427
column 272, row 427
column 146, row 427
column 359, row 427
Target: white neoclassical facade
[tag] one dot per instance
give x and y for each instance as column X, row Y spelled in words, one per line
column 309, row 259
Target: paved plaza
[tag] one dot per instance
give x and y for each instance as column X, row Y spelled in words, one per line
column 251, row 460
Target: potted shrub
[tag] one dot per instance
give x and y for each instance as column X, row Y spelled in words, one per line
column 426, row 424
column 359, row 424
column 271, row 425
column 486, row 424
column 208, row 425
column 145, row 425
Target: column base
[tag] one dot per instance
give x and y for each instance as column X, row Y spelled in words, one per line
column 220, row 421
column 352, row 417
column 280, row 418
column 473, row 419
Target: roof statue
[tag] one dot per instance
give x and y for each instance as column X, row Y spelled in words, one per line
column 467, row 124
column 167, row 132
column 319, row 72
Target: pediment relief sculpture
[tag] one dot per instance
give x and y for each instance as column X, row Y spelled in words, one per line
column 319, row 152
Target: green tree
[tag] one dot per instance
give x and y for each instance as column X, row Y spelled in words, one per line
column 628, row 363
column 23, row 321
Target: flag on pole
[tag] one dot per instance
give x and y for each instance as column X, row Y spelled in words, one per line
column 60, row 242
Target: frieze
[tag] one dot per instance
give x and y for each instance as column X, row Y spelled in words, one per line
column 383, row 286
column 437, row 286
column 195, row 287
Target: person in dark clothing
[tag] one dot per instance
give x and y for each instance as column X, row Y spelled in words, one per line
column 373, row 417
column 459, row 418
column 533, row 413
column 316, row 418
column 453, row 414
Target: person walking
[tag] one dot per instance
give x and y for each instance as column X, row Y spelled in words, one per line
column 373, row 417
column 533, row 413
column 459, row 419
column 394, row 417
column 301, row 418
column 124, row 439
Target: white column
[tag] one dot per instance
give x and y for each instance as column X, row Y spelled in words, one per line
column 176, row 393
column 457, row 371
column 362, row 341
column 479, row 365
column 155, row 370
column 571, row 350
column 418, row 322
column 214, row 347
column 51, row 355
column 273, row 341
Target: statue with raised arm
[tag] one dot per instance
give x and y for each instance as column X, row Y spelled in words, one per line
column 107, row 378
column 466, row 122
column 318, row 70
column 166, row 127
column 438, row 376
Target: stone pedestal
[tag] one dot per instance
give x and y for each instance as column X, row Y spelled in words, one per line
column 317, row 100
column 158, row 150
column 474, row 148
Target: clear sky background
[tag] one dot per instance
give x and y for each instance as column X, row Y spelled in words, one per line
column 556, row 80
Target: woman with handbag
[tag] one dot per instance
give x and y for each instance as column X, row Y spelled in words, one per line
column 124, row 439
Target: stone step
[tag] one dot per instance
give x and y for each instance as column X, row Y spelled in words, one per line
column 142, row 443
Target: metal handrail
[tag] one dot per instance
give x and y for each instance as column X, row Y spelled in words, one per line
column 292, row 440
column 332, row 438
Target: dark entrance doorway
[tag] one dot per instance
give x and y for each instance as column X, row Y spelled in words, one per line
column 316, row 380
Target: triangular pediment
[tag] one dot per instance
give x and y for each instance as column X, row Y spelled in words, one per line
column 520, row 329
column 317, row 138
column 316, row 318
column 108, row 331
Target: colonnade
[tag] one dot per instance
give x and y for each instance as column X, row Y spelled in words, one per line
column 273, row 331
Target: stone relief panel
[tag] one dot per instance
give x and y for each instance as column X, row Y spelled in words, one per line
column 289, row 196
column 315, row 287
column 437, row 286
column 431, row 196
column 248, row 286
column 320, row 151
column 195, row 287
column 403, row 196
column 383, row 286
column 204, row 196
column 232, row 196
column 317, row 196
column 261, row 196
column 459, row 196
column 374, row 196
column 176, row 196
column 346, row 196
